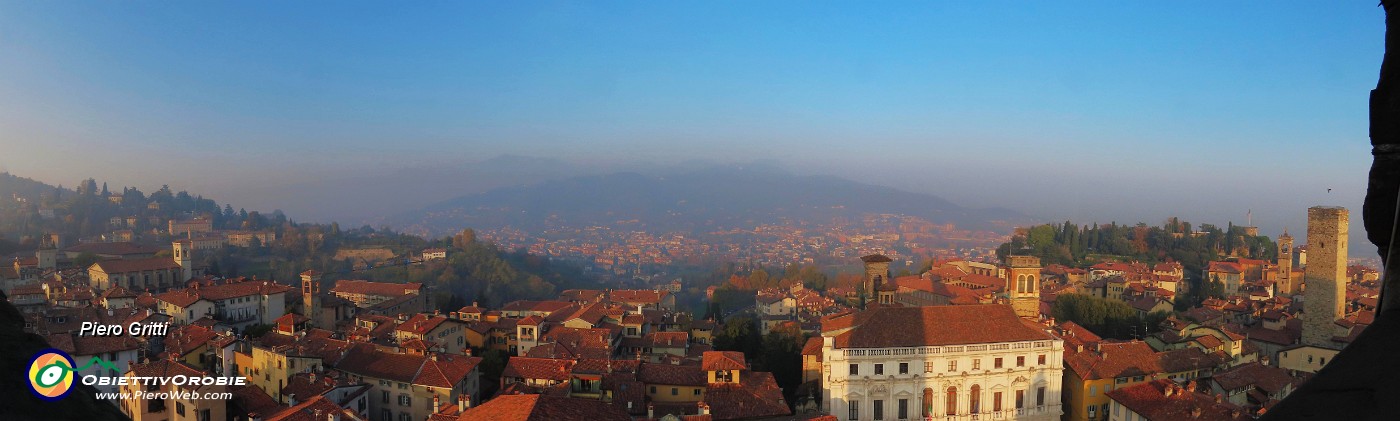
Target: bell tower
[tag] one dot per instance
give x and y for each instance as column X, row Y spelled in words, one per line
column 48, row 252
column 1023, row 285
column 311, row 296
column 877, row 273
column 183, row 253
column 1285, row 285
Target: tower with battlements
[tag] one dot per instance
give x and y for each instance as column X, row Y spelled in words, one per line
column 1324, row 294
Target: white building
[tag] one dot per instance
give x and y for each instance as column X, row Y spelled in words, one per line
column 940, row 363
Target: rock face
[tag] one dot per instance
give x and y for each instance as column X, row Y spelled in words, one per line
column 19, row 403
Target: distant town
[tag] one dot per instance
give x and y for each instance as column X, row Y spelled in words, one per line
column 1047, row 322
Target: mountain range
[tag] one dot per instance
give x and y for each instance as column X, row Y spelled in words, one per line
column 714, row 197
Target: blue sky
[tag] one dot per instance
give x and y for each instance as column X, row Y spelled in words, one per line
column 1084, row 110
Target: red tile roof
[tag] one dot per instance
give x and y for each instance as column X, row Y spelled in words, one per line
column 538, row 368
column 930, row 326
column 637, row 296
column 672, row 375
column 136, row 265
column 723, row 361
column 756, row 395
column 444, row 371
column 1165, row 400
column 1269, row 379
column 543, row 408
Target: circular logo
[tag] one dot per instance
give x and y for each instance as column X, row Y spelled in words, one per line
column 51, row 374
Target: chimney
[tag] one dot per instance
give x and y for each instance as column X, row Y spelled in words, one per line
column 467, row 351
column 704, row 408
column 1218, row 398
column 437, row 404
column 651, row 411
column 432, row 356
column 462, row 400
column 313, row 377
column 466, row 401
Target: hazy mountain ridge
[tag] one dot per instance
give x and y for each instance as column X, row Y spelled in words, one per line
column 723, row 196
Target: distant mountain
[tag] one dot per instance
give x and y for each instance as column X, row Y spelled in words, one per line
column 715, row 197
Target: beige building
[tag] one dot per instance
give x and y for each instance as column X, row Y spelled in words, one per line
column 404, row 386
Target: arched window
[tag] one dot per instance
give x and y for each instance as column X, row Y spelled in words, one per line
column 927, row 402
column 951, row 406
column 974, row 398
column 1030, row 283
column 1020, row 283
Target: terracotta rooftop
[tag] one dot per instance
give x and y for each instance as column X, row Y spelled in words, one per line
column 1165, row 400
column 136, row 265
column 543, row 408
column 723, row 361
column 930, row 326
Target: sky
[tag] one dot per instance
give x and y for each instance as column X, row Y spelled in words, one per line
column 1091, row 111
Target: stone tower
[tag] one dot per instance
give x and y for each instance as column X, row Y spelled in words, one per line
column 311, row 296
column 1023, row 285
column 1285, row 286
column 184, row 256
column 877, row 272
column 48, row 252
column 1324, row 279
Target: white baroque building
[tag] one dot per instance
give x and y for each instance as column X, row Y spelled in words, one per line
column 973, row 362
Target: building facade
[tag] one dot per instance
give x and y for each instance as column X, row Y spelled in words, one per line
column 940, row 363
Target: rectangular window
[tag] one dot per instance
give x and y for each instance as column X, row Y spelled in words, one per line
column 879, row 369
column 996, row 401
column 853, row 412
column 976, row 363
column 879, row 409
column 385, row 393
column 996, row 363
column 1040, row 396
column 1021, row 361
column 903, row 368
column 1093, row 390
column 180, row 408
column 928, row 367
column 675, row 391
column 696, row 392
column 1137, row 378
column 405, row 400
column 1093, row 411
column 903, row 409
column 1040, row 360
column 953, row 365
column 1020, row 399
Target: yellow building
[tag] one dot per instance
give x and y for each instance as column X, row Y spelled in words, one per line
column 176, row 407
column 1091, row 373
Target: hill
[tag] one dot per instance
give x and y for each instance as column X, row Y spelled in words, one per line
column 716, row 197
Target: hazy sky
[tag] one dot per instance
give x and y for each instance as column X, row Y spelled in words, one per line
column 1090, row 110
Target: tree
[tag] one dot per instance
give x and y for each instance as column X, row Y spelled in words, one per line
column 759, row 278
column 85, row 259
